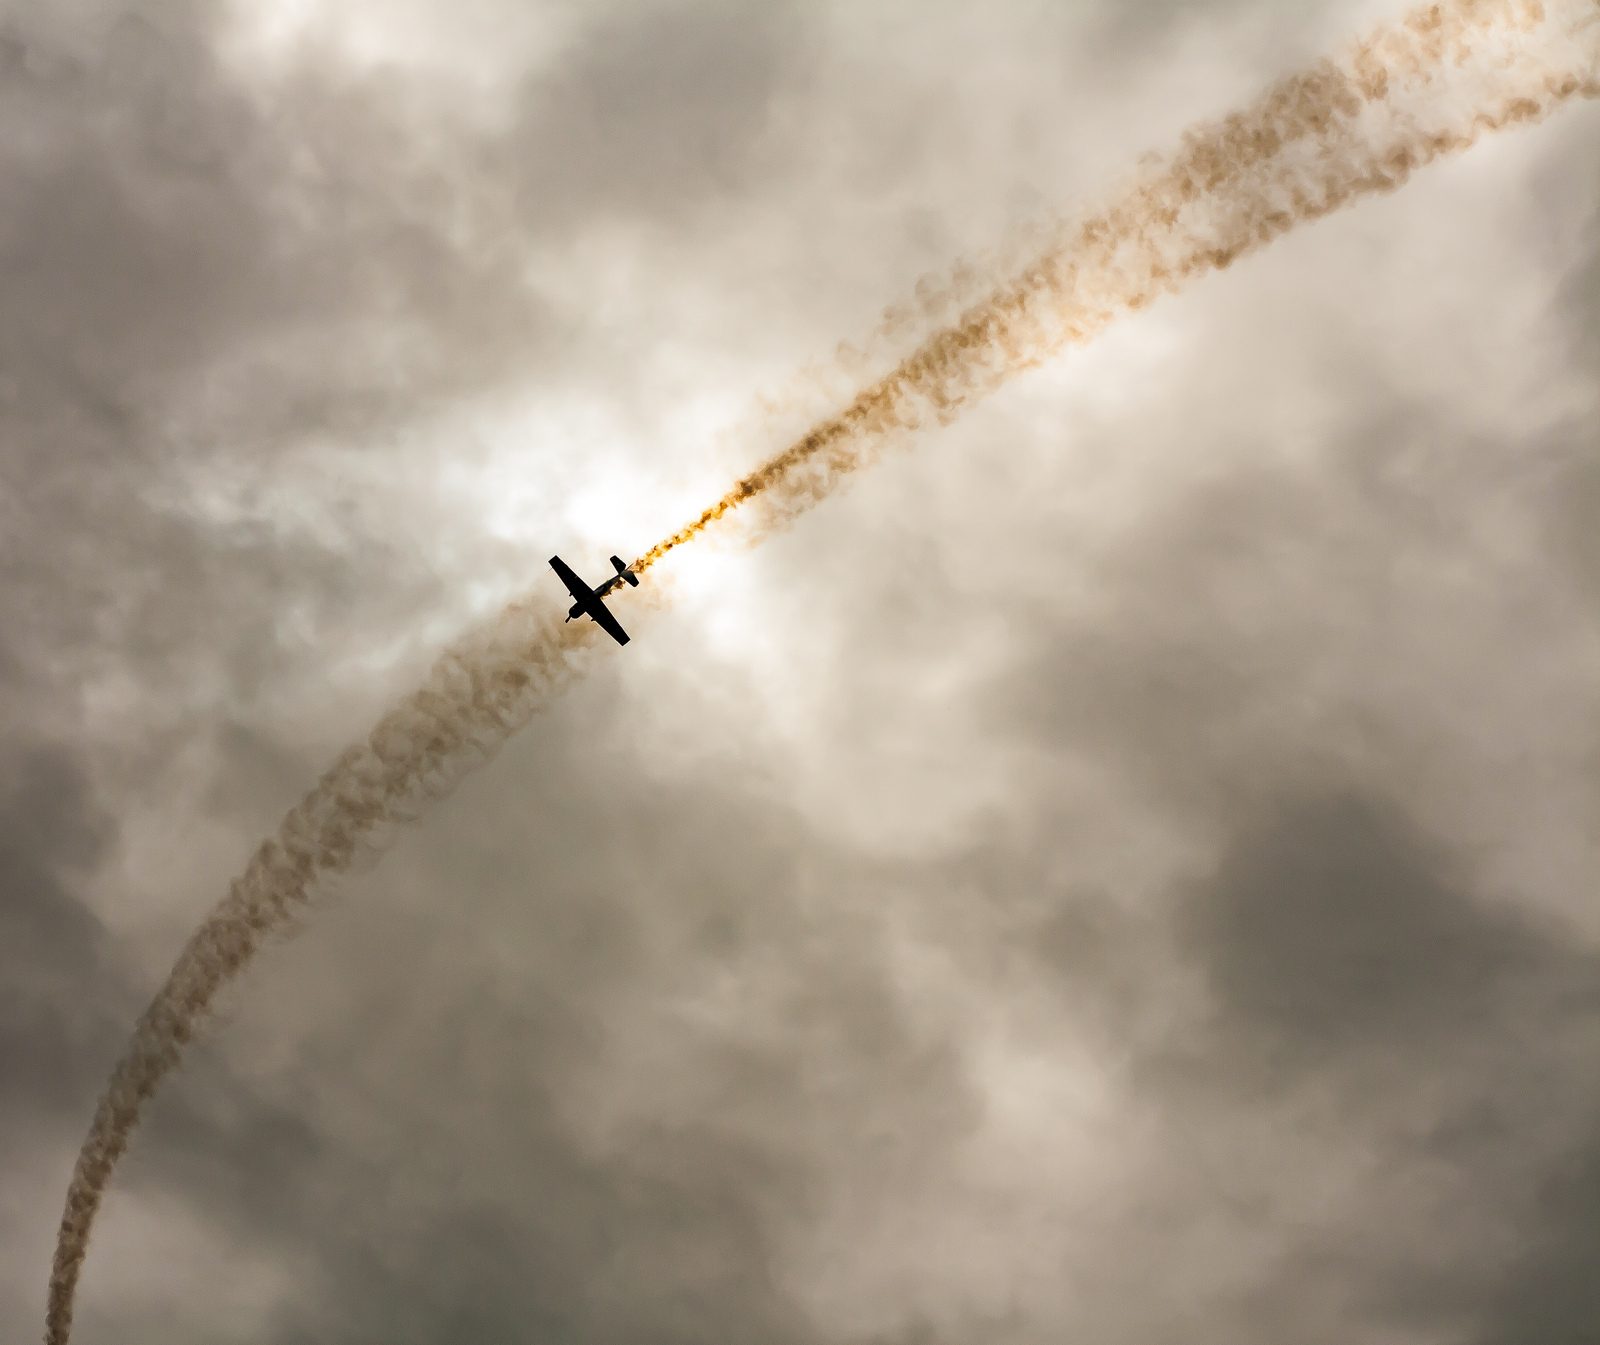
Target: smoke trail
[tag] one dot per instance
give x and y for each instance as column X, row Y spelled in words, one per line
column 1152, row 241
column 476, row 695
column 1312, row 144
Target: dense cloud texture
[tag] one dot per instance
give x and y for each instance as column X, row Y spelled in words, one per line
column 1125, row 870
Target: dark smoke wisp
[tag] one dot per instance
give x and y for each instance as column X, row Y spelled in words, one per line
column 1312, row 144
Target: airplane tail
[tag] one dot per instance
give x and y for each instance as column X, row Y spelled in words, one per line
column 625, row 572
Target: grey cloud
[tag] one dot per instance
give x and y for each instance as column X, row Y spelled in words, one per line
column 516, row 1212
column 145, row 244
column 1550, row 1291
column 657, row 113
column 634, row 1039
column 1371, row 1006
column 1334, row 928
column 60, row 997
column 1368, row 1017
column 129, row 239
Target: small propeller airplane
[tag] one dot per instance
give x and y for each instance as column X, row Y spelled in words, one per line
column 590, row 599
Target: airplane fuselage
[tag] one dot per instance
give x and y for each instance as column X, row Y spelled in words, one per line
column 589, row 601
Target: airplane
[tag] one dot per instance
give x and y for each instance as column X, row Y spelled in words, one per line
column 589, row 599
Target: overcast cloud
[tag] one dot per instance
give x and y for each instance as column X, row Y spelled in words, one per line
column 1123, row 872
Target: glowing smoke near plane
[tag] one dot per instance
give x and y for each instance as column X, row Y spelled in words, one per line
column 1427, row 86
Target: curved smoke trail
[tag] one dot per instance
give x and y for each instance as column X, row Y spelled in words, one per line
column 1231, row 190
column 1313, row 143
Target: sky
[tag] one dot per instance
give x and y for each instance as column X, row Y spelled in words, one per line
column 1120, row 871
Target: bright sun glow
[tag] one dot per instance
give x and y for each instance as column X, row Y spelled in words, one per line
column 579, row 479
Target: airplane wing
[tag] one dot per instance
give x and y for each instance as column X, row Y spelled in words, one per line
column 589, row 600
column 575, row 586
column 602, row 614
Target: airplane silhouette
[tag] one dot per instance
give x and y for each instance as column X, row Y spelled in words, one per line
column 589, row 599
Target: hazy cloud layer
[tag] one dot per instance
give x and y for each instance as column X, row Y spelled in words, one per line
column 1123, row 871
